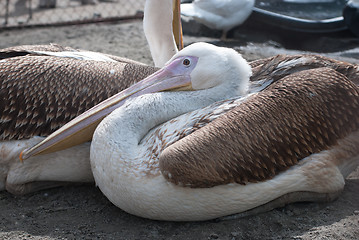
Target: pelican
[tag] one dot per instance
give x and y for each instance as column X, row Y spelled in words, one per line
column 219, row 14
column 45, row 86
column 215, row 144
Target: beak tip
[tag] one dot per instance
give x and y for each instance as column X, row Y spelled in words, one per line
column 21, row 156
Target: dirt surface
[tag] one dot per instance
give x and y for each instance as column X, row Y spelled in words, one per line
column 82, row 212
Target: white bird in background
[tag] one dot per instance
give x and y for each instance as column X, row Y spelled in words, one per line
column 219, row 14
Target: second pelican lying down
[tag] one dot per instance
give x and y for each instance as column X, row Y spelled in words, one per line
column 299, row 134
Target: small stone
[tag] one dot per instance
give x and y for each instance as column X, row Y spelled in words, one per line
column 289, row 213
column 234, row 234
column 213, row 236
column 29, row 214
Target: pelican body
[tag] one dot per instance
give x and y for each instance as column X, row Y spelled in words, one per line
column 300, row 134
column 46, row 102
column 218, row 144
column 60, row 89
column 45, row 86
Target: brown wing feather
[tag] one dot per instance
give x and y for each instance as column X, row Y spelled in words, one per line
column 301, row 114
column 46, row 47
column 23, row 50
column 39, row 94
column 280, row 66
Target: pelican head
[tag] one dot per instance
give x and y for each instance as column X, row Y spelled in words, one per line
column 200, row 66
column 215, row 66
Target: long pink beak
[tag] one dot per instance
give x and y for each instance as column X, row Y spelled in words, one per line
column 79, row 130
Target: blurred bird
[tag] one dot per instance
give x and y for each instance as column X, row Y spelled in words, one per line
column 219, row 14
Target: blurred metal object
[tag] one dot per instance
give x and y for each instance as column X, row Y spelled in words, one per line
column 299, row 24
column 6, row 12
column 309, row 1
column 47, row 4
column 351, row 16
column 7, row 5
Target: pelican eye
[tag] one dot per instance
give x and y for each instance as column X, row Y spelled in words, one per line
column 186, row 62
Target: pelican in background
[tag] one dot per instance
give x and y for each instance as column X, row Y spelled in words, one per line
column 219, row 14
column 45, row 86
column 215, row 143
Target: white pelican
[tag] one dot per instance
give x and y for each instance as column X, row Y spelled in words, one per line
column 219, row 14
column 45, row 86
column 184, row 156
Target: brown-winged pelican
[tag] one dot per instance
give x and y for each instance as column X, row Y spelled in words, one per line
column 192, row 154
column 45, row 86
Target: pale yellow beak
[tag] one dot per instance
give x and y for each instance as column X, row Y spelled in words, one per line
column 172, row 77
column 177, row 25
column 71, row 134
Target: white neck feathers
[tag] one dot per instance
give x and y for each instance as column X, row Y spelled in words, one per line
column 157, row 25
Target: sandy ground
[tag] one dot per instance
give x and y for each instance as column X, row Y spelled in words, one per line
column 82, row 212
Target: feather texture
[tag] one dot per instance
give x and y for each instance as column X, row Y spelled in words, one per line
column 316, row 108
column 40, row 93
